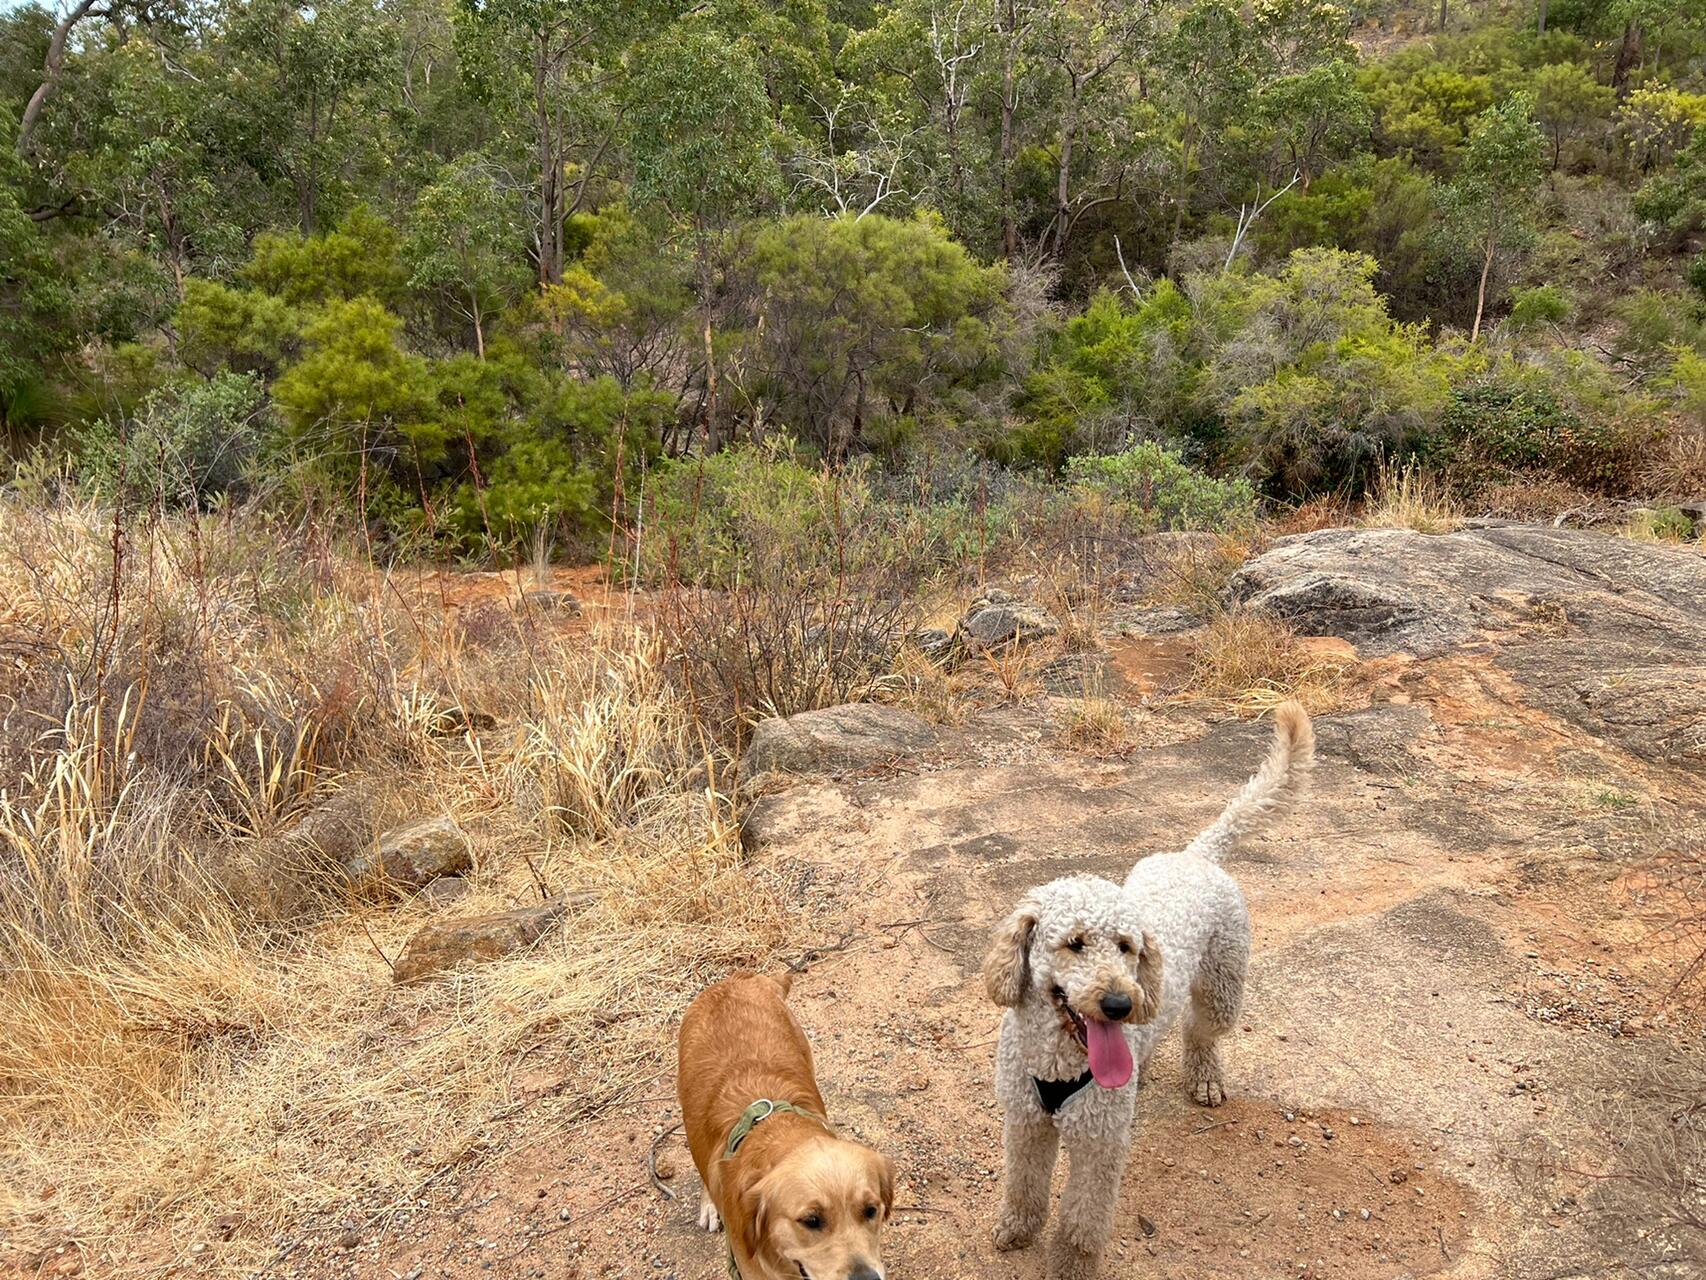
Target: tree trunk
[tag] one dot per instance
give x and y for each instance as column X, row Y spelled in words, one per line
column 52, row 67
column 479, row 327
column 1628, row 56
column 1009, row 74
column 1544, row 5
column 1442, row 13
column 1063, row 179
column 1481, row 295
column 1184, row 181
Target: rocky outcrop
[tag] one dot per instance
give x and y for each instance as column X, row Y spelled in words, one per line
column 445, row 945
column 1606, row 632
column 836, row 738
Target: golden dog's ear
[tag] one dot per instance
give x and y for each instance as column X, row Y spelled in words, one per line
column 1148, row 980
column 885, row 1184
column 1007, row 967
column 749, row 1228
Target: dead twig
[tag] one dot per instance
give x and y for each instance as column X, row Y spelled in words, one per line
column 652, row 1161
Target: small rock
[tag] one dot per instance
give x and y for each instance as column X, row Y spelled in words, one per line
column 852, row 736
column 666, row 1169
column 412, row 856
column 1146, row 1226
column 992, row 623
column 449, row 944
column 932, row 642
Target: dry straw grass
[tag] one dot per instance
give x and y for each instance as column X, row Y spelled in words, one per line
column 181, row 1039
column 1250, row 663
column 1094, row 724
column 1407, row 497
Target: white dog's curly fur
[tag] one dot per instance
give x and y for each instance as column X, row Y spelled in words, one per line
column 1083, row 951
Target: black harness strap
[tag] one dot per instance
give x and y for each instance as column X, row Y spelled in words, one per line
column 1055, row 1094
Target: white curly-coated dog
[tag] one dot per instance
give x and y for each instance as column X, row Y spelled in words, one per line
column 1092, row 974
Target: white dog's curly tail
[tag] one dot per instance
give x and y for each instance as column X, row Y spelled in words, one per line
column 1277, row 783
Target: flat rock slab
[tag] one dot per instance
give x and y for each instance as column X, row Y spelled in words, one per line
column 1603, row 631
column 837, row 738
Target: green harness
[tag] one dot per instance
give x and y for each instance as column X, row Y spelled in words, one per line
column 749, row 1120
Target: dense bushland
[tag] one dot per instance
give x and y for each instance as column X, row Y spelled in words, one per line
column 374, row 260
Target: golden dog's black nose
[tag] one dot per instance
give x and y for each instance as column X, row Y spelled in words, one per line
column 1115, row 1005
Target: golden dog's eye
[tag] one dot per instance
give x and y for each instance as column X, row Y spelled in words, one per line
column 870, row 1212
column 1076, row 944
column 812, row 1222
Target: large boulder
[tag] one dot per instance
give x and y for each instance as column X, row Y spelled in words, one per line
column 836, row 738
column 1603, row 631
column 412, row 856
column 444, row 945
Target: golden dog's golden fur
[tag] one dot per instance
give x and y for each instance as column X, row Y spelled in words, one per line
column 797, row 1200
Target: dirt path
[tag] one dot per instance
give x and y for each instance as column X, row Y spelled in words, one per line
column 1455, row 974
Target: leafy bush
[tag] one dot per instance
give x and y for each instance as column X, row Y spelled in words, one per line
column 1156, row 490
column 1521, row 424
column 188, row 442
column 1535, row 308
column 1112, row 372
column 784, row 590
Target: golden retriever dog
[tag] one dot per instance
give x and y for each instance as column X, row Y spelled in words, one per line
column 797, row 1200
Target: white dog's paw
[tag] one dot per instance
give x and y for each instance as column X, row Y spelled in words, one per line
column 1209, row 1092
column 708, row 1216
column 1013, row 1231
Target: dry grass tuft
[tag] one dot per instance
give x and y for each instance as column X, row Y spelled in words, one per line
column 1538, row 498
column 1407, row 497
column 1329, row 511
column 180, row 1041
column 1250, row 663
column 1194, row 578
column 1094, row 724
column 1673, row 469
column 938, row 692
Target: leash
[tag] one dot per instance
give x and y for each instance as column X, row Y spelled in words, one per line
column 749, row 1120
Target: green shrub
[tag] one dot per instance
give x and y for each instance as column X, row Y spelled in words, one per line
column 1661, row 524
column 1515, row 424
column 1535, row 308
column 708, row 519
column 1697, row 275
column 1153, row 489
column 187, row 443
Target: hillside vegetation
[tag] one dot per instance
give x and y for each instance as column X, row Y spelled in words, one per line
column 472, row 268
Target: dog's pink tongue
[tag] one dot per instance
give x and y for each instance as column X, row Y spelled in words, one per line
column 1110, row 1055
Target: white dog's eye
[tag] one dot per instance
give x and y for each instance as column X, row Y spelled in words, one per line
column 1075, row 944
column 1125, row 946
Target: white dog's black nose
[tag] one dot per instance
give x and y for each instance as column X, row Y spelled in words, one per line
column 1115, row 1005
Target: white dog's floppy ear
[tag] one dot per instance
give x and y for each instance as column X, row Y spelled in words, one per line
column 1148, row 980
column 1007, row 967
